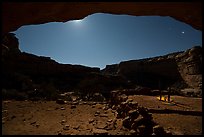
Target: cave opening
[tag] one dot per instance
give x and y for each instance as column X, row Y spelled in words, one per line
column 102, row 39
column 120, row 51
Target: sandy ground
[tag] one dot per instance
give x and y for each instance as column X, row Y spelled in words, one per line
column 50, row 118
column 189, row 122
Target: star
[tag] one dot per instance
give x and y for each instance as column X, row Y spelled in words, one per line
column 183, row 32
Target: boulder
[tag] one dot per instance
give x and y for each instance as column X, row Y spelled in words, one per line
column 141, row 130
column 134, row 114
column 133, row 105
column 158, row 130
column 137, row 122
column 143, row 111
column 133, row 132
column 126, row 122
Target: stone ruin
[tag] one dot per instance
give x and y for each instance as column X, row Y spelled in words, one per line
column 135, row 118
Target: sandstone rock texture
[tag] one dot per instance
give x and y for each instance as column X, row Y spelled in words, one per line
column 15, row 15
column 164, row 71
column 190, row 66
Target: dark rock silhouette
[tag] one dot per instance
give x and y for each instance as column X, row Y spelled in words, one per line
column 15, row 15
column 41, row 77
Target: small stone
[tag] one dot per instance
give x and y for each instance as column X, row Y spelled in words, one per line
column 133, row 132
column 8, row 101
column 153, row 134
column 124, row 104
column 94, row 103
column 91, row 120
column 62, row 108
column 141, row 129
column 129, row 100
column 76, row 127
column 33, row 123
column 4, row 111
column 75, row 103
column 84, row 103
column 80, row 103
column 97, row 112
column 134, row 104
column 3, row 118
column 123, row 97
column 133, row 113
column 101, row 125
column 66, row 127
column 137, row 122
column 98, row 106
column 113, row 111
column 168, row 133
column 103, row 115
column 37, row 125
column 177, row 132
column 63, row 121
column 110, row 120
column 73, row 106
column 114, row 107
column 105, row 108
column 100, row 132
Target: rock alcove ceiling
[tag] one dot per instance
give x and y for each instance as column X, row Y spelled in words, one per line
column 15, row 15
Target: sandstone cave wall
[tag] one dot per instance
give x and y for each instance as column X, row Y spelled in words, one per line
column 17, row 14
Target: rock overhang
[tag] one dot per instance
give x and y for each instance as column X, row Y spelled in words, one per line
column 17, row 14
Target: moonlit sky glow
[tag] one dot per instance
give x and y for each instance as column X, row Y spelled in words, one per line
column 103, row 39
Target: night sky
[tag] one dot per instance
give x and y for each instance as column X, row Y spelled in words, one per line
column 103, row 39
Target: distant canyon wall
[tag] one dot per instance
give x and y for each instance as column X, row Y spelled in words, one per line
column 162, row 71
column 158, row 72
